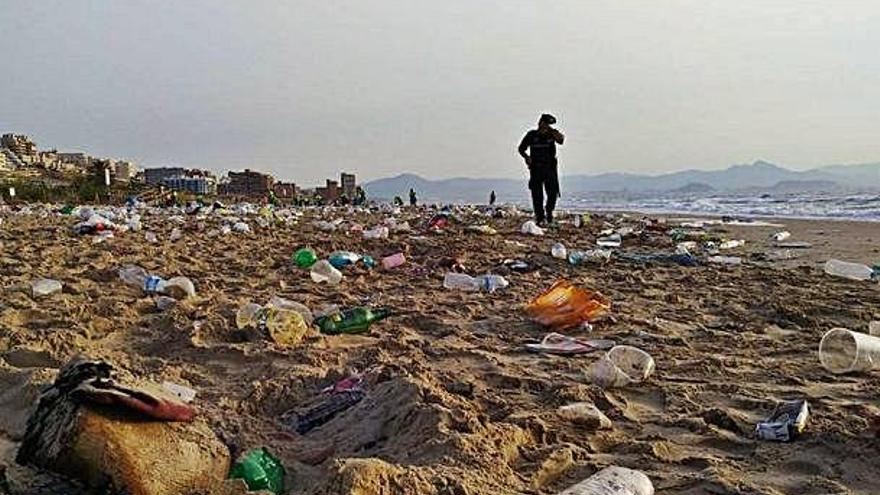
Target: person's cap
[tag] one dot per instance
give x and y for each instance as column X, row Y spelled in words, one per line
column 548, row 119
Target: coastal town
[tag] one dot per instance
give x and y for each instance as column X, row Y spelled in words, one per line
column 23, row 163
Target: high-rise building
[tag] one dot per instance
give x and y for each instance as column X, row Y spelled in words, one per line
column 158, row 175
column 349, row 185
column 248, row 183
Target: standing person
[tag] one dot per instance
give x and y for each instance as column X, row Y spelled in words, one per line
column 412, row 197
column 492, row 198
column 541, row 161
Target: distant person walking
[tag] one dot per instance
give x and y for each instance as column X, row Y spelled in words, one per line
column 541, row 161
column 413, row 200
column 492, row 198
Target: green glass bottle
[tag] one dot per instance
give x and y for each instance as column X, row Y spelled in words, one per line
column 355, row 320
column 260, row 470
column 304, row 258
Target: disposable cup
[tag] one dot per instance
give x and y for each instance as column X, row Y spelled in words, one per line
column 845, row 351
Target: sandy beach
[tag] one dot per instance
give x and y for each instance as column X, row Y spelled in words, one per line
column 454, row 404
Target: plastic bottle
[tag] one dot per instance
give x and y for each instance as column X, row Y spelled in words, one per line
column 621, row 366
column 781, row 236
column 577, row 221
column 380, row 232
column 613, row 480
column 260, row 470
column 323, row 271
column 577, row 257
column 283, row 325
column 845, row 269
column 45, row 286
column 340, row 259
column 175, row 234
column 393, row 261
column 177, row 287
column 613, row 240
column 305, row 257
column 463, row 281
column 732, row 244
column 558, row 251
column 350, row 321
column 368, row 262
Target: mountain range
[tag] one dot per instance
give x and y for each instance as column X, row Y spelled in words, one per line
column 757, row 177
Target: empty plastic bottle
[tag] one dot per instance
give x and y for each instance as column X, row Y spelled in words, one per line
column 305, row 257
column 613, row 240
column 845, row 269
column 463, row 281
column 260, row 470
column 613, row 480
column 284, row 326
column 725, row 260
column 577, row 257
column 323, row 271
column 177, row 287
column 340, row 259
column 350, row 321
column 781, row 236
column 45, row 286
column 558, row 251
column 380, row 232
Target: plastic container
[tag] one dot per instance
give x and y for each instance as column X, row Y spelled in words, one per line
column 781, row 236
column 845, row 269
column 845, row 351
column 323, row 271
column 621, row 366
column 393, row 261
column 531, row 228
column 613, row 480
column 558, row 251
column 179, row 288
column 44, row 287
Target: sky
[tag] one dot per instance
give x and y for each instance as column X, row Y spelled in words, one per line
column 306, row 89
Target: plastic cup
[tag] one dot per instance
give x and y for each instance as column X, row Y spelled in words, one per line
column 845, row 351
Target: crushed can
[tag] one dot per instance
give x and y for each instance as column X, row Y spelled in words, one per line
column 786, row 422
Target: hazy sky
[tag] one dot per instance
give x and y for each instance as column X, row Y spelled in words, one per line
column 444, row 87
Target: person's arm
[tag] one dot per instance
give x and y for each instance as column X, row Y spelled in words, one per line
column 523, row 146
column 557, row 136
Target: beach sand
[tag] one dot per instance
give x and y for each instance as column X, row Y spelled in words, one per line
column 454, row 404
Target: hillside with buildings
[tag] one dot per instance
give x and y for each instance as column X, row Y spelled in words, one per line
column 24, row 166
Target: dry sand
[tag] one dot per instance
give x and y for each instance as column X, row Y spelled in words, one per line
column 454, row 405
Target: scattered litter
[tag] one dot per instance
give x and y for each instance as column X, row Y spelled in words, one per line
column 786, row 422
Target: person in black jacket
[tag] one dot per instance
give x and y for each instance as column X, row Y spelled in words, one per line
column 541, row 144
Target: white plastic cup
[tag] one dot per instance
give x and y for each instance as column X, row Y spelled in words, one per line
column 845, row 351
column 621, row 366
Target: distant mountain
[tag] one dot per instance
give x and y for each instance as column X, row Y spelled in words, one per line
column 759, row 175
column 694, row 188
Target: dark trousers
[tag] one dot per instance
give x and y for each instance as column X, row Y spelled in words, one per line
column 544, row 177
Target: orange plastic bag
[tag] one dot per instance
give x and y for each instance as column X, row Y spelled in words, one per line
column 564, row 306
